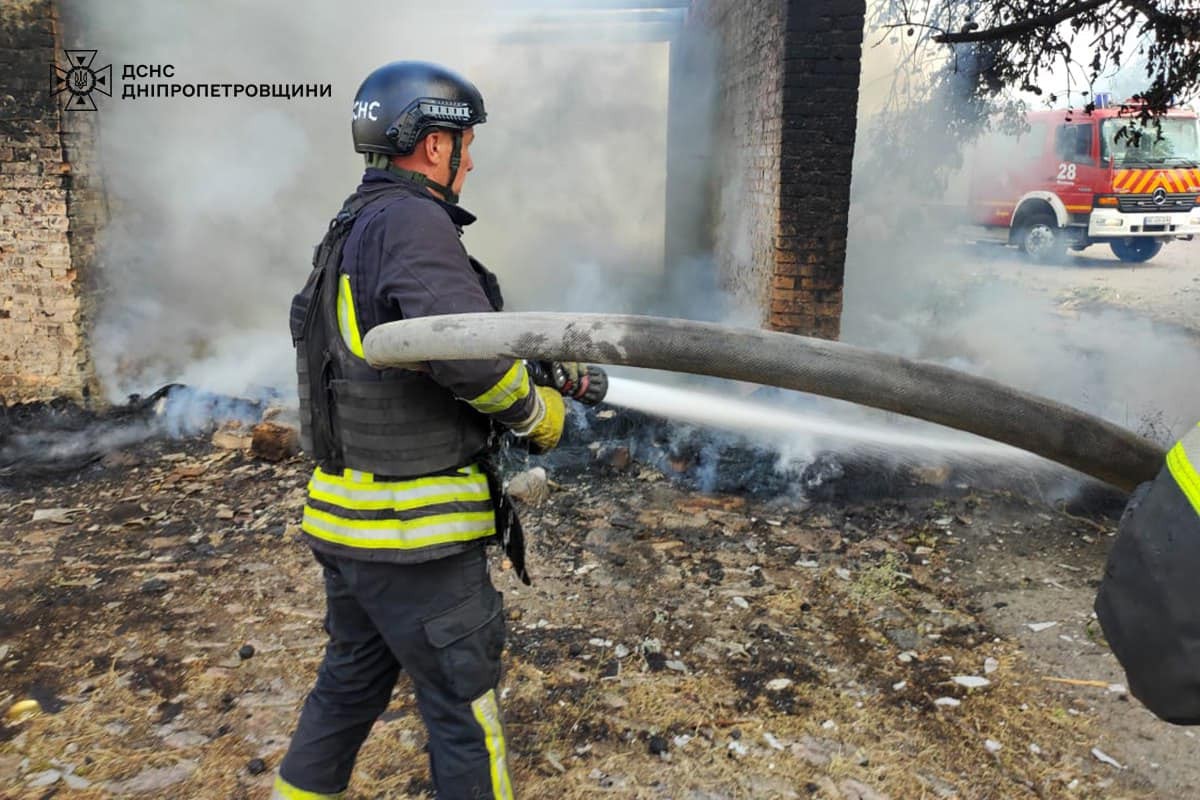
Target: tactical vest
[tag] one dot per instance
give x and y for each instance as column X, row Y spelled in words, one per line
column 393, row 423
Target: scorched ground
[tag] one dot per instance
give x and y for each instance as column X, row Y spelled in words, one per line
column 674, row 644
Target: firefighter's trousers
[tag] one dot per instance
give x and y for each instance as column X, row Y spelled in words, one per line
column 442, row 622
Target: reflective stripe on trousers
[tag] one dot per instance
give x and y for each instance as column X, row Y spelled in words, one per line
column 380, row 615
column 285, row 791
column 487, row 714
column 1183, row 460
column 355, row 510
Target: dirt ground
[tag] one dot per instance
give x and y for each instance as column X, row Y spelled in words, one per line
column 1031, row 571
column 674, row 645
column 1166, row 288
column 925, row 638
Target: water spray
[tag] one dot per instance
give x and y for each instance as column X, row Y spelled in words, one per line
column 753, row 417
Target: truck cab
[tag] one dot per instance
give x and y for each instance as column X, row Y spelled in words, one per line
column 1073, row 179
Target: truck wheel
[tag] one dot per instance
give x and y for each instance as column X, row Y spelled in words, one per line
column 1042, row 240
column 1135, row 251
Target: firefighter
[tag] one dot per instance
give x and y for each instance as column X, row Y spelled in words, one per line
column 403, row 498
column 1149, row 599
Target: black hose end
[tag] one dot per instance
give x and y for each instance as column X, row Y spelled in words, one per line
column 594, row 386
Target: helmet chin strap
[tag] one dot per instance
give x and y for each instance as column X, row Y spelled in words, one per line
column 421, row 179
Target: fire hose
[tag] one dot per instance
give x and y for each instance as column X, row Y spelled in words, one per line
column 918, row 389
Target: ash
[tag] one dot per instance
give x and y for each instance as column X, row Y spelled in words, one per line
column 754, row 639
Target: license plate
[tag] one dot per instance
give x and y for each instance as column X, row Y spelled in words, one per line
column 1156, row 220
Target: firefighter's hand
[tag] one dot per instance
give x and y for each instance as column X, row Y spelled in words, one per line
column 544, row 435
column 582, row 382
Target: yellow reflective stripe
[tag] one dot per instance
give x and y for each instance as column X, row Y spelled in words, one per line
column 387, row 501
column 397, row 534
column 1183, row 469
column 487, row 714
column 512, row 388
column 353, row 479
column 416, row 526
column 347, row 319
column 398, row 495
column 285, row 791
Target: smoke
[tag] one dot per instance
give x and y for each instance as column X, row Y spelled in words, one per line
column 216, row 204
column 43, row 440
column 917, row 285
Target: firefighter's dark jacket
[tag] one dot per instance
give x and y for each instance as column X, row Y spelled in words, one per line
column 1149, row 599
column 403, row 258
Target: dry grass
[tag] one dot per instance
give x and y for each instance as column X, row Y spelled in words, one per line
column 582, row 722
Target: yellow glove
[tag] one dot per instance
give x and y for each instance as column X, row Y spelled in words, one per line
column 545, row 434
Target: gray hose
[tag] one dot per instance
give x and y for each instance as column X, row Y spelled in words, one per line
column 926, row 391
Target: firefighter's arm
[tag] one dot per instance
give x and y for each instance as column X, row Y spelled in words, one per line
column 424, row 271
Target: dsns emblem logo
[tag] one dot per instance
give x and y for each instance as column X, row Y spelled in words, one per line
column 79, row 80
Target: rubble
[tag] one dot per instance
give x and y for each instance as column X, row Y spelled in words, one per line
column 531, row 486
column 857, row 790
column 22, row 710
column 154, row 780
column 60, row 516
column 1105, row 758
column 273, row 441
column 673, row 644
column 232, row 436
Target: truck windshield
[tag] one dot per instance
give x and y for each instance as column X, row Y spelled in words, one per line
column 1178, row 142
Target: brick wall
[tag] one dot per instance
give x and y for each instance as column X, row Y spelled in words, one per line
column 746, row 145
column 50, row 207
column 787, row 96
column 821, row 66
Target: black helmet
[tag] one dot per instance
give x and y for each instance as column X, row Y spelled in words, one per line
column 401, row 102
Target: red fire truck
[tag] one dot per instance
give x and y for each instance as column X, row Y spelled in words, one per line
column 1075, row 179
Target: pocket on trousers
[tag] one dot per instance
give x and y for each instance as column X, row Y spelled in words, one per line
column 468, row 640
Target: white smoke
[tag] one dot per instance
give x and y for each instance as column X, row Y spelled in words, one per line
column 916, row 286
column 217, row 203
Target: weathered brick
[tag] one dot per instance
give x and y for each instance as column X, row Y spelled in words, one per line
column 792, row 323
column 48, row 225
column 748, row 105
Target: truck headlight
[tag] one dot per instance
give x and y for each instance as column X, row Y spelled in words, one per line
column 1110, row 222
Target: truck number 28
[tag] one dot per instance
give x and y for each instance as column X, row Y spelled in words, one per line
column 1066, row 172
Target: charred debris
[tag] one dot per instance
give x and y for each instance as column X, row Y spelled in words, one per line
column 60, row 439
column 700, row 617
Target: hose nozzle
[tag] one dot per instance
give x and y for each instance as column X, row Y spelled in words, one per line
column 584, row 383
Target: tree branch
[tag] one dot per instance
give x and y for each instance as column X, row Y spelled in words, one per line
column 1149, row 9
column 1024, row 26
column 891, row 26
